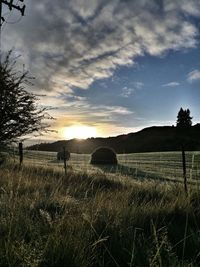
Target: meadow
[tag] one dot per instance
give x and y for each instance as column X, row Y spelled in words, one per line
column 134, row 215
column 154, row 165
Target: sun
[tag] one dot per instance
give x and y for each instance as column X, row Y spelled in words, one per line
column 79, row 132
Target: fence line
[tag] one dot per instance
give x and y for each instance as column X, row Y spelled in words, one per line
column 166, row 164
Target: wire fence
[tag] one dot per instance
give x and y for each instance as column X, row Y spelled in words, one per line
column 160, row 165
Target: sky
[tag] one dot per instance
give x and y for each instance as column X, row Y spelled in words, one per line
column 109, row 67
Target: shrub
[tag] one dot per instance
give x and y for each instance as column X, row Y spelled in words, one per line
column 104, row 155
column 60, row 155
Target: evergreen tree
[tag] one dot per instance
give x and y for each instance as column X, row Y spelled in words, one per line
column 184, row 120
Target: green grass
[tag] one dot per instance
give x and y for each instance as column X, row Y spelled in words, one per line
column 95, row 219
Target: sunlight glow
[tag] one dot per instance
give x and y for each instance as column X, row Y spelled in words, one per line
column 79, row 132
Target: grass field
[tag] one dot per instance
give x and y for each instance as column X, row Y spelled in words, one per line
column 155, row 165
column 99, row 217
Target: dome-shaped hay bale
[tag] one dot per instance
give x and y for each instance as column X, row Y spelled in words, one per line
column 60, row 155
column 104, row 155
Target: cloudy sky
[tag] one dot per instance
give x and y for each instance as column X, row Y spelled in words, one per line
column 110, row 66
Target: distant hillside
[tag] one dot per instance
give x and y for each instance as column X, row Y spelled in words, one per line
column 156, row 138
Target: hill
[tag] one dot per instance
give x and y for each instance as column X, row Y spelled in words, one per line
column 152, row 139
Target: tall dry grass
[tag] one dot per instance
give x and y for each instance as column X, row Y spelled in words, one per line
column 49, row 219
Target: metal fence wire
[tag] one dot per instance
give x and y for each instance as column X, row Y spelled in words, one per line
column 139, row 165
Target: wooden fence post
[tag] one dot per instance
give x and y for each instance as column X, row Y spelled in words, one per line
column 184, row 170
column 64, row 159
column 20, row 153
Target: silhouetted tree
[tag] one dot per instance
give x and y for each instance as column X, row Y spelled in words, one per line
column 19, row 113
column 184, row 123
column 184, row 120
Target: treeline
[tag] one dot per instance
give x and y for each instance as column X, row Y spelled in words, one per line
column 152, row 139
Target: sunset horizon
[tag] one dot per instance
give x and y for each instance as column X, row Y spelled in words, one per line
column 111, row 68
column 100, row 133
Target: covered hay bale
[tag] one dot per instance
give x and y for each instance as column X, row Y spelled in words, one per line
column 104, row 155
column 60, row 155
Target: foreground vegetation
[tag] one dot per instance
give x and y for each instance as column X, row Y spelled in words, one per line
column 49, row 219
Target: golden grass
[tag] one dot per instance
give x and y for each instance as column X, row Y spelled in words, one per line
column 80, row 219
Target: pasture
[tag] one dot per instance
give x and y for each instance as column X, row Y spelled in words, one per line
column 99, row 216
column 154, row 165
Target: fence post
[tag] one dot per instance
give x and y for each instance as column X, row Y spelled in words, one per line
column 64, row 159
column 20, row 153
column 184, row 170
